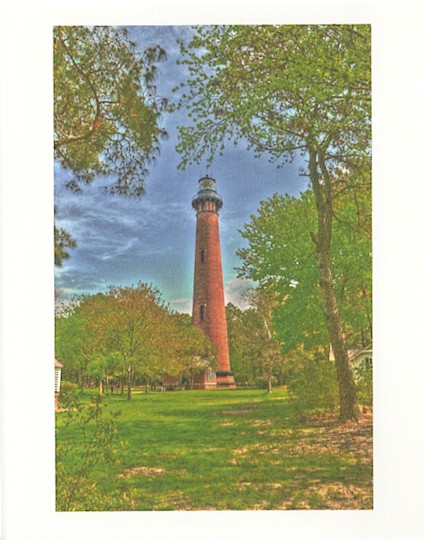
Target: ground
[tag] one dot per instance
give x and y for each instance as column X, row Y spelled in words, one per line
column 226, row 450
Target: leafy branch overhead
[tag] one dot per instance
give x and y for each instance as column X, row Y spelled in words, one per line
column 283, row 88
column 106, row 111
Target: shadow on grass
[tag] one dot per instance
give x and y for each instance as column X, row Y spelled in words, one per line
column 234, row 450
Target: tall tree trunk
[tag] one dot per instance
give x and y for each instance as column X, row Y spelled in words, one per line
column 129, row 380
column 323, row 197
column 269, row 382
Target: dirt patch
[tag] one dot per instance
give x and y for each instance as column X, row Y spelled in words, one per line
column 262, row 423
column 334, row 496
column 134, row 471
column 243, row 450
column 331, row 435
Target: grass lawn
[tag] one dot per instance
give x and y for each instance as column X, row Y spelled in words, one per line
column 226, row 450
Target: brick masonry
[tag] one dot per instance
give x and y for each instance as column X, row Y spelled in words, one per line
column 208, row 295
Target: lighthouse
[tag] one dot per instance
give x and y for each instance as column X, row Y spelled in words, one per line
column 208, row 294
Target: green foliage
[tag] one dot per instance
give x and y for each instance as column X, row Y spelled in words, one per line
column 254, row 347
column 131, row 323
column 313, row 386
column 129, row 333
column 73, row 342
column 194, row 352
column 364, row 385
column 63, row 241
column 281, row 255
column 284, row 88
column 68, row 393
column 106, row 112
column 90, row 441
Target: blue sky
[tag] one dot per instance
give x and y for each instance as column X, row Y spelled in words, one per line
column 123, row 241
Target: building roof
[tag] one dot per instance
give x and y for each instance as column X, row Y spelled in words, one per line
column 353, row 353
column 57, row 364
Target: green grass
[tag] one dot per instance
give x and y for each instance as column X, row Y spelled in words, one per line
column 226, row 450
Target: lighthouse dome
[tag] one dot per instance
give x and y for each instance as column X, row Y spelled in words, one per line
column 207, row 192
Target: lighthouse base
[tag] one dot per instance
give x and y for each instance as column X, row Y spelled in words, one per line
column 225, row 379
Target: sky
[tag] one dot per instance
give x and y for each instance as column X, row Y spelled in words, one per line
column 123, row 241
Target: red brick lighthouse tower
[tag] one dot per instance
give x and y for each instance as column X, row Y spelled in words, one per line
column 208, row 297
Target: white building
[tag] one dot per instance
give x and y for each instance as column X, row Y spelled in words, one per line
column 359, row 358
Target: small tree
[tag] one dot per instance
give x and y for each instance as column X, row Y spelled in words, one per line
column 92, row 441
column 74, row 342
column 133, row 323
column 254, row 347
column 194, row 351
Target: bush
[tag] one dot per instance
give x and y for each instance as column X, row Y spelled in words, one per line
column 68, row 393
column 364, row 387
column 313, row 386
column 92, row 441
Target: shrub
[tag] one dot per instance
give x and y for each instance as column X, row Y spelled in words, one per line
column 90, row 441
column 68, row 393
column 313, row 386
column 364, row 387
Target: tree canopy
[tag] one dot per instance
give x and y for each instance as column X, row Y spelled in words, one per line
column 106, row 111
column 129, row 332
column 254, row 346
column 280, row 255
column 283, row 88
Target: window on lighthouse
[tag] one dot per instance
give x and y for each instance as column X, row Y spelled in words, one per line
column 202, row 312
column 202, row 255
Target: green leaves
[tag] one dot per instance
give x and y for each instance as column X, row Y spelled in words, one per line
column 280, row 87
column 129, row 331
column 281, row 255
column 106, row 112
column 63, row 241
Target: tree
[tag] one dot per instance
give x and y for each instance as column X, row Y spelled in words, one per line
column 243, row 353
column 288, row 90
column 264, row 300
column 63, row 241
column 280, row 256
column 193, row 350
column 74, row 343
column 254, row 348
column 132, row 322
column 99, row 367
column 106, row 112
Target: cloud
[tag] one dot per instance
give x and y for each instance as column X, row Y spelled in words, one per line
column 182, row 305
column 236, row 290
